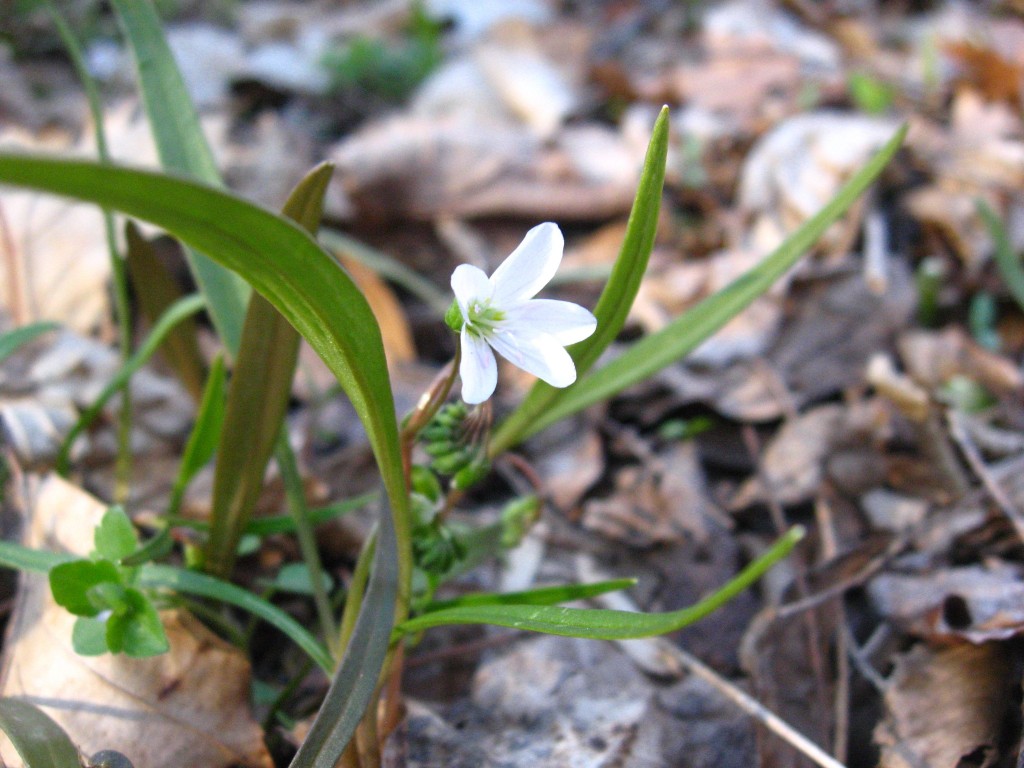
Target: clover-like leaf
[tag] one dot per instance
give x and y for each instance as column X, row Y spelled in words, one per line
column 74, row 584
column 115, row 536
column 137, row 630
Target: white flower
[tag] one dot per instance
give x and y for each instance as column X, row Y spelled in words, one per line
column 500, row 312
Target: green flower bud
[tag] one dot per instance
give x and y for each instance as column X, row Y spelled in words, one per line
column 471, row 474
column 517, row 517
column 453, row 317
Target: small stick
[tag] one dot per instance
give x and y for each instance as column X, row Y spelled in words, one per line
column 976, row 463
column 755, row 709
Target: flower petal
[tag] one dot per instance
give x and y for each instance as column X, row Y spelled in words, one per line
column 565, row 321
column 478, row 369
column 470, row 283
column 539, row 354
column 529, row 267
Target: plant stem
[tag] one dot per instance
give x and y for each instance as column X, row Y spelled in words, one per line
column 307, row 540
column 117, row 266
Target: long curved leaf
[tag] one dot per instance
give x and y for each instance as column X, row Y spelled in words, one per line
column 182, row 148
column 617, row 297
column 275, row 255
column 355, row 682
column 168, row 577
column 601, row 624
column 258, row 395
column 40, row 742
column 18, row 337
column 649, row 355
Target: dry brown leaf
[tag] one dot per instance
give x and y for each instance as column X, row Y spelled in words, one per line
column 188, row 707
column 946, row 708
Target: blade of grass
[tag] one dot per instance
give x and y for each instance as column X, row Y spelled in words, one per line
column 1008, row 262
column 257, row 398
column 202, row 442
column 155, row 576
column 601, row 624
column 649, row 355
column 39, row 741
column 117, row 264
column 540, row 596
column 182, row 147
column 14, row 339
column 182, row 309
column 388, row 268
column 155, row 291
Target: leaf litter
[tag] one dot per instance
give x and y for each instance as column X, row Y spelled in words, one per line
column 873, row 395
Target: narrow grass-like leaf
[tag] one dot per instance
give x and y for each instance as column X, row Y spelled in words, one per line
column 39, row 741
column 1008, row 262
column 156, row 576
column 182, row 148
column 601, row 624
column 388, row 268
column 155, row 291
column 649, row 355
column 189, row 582
column 202, row 442
column 617, row 297
column 275, row 524
column 182, row 309
column 280, row 260
column 355, row 682
column 14, row 339
column 539, row 596
column 257, row 398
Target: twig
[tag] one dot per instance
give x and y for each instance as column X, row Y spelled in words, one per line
column 841, row 702
column 755, row 709
column 977, row 464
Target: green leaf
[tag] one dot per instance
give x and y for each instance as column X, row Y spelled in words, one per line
column 1008, row 262
column 71, row 584
column 202, row 442
column 174, row 315
column 539, row 596
column 294, row 578
column 355, row 681
column 89, row 636
column 39, row 741
column 155, row 291
column 649, row 355
column 138, row 631
column 280, row 260
column 258, row 397
column 155, row 576
column 12, row 340
column 31, row 560
column 602, row 624
column 115, row 536
column 182, row 148
column 617, row 297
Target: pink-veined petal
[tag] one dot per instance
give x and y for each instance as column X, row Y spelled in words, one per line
column 470, row 283
column 565, row 321
column 478, row 368
column 539, row 354
column 529, row 267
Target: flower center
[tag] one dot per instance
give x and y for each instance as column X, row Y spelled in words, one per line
column 483, row 318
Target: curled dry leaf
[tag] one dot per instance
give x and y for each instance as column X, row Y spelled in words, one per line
column 188, row 707
column 976, row 603
column 946, row 707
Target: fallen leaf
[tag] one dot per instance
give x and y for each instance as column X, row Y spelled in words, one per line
column 188, row 707
column 946, row 708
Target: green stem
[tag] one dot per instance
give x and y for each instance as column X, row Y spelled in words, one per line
column 307, row 540
column 356, row 588
column 117, row 267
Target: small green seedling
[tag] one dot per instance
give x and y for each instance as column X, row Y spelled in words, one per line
column 113, row 615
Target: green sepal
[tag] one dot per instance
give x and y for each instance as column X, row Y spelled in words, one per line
column 115, row 537
column 453, row 317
